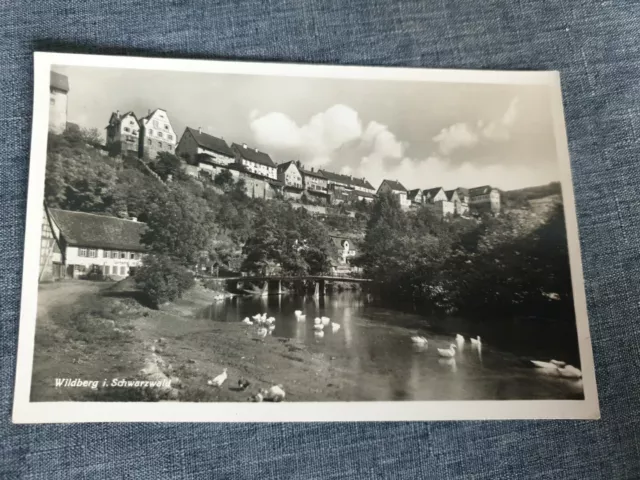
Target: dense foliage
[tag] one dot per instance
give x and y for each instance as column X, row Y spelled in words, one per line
column 162, row 279
column 515, row 264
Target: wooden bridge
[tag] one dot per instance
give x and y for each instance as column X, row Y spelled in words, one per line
column 272, row 284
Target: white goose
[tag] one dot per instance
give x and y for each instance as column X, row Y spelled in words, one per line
column 271, row 320
column 447, row 352
column 301, row 318
column 298, row 313
column 545, row 365
column 318, row 327
column 219, row 380
column 476, row 341
column 325, row 320
column 246, row 321
column 317, row 321
column 335, row 327
column 570, row 372
column 558, row 363
column 459, row 339
column 274, row 394
column 256, row 317
column 262, row 332
column 318, row 334
column 419, row 340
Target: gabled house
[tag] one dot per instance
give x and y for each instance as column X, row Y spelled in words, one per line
column 314, row 181
column 432, row 195
column 415, row 196
column 197, row 147
column 337, row 181
column 255, row 161
column 58, row 100
column 485, row 198
column 291, row 178
column 463, row 194
column 397, row 189
column 77, row 243
column 156, row 135
column 452, row 195
column 123, row 134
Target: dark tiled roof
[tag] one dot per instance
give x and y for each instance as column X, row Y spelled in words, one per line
column 310, row 173
column 449, row 194
column 432, row 191
column 283, row 166
column 360, row 193
column 395, row 185
column 253, row 155
column 98, row 231
column 347, row 179
column 59, row 81
column 480, row 190
column 413, row 193
column 215, row 144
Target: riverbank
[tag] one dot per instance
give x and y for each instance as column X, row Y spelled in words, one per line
column 100, row 331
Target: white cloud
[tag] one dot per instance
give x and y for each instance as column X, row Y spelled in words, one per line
column 458, row 135
column 314, row 142
column 500, row 130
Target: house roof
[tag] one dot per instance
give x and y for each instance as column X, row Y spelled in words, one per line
column 432, row 191
column 449, row 194
column 116, row 117
column 98, row 231
column 413, row 193
column 480, row 190
column 253, row 155
column 360, row 193
column 215, row 144
column 283, row 166
column 347, row 179
column 59, row 81
column 313, row 173
column 394, row 184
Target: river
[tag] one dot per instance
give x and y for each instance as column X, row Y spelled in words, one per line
column 373, row 348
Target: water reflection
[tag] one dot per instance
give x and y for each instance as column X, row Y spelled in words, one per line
column 373, row 348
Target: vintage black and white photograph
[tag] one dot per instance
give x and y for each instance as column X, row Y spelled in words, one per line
column 328, row 238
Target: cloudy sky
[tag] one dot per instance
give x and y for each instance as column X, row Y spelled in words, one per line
column 421, row 133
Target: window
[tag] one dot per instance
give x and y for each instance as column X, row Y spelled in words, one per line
column 106, row 269
column 123, row 254
column 170, row 137
column 159, row 144
column 52, row 101
column 82, row 252
column 150, row 142
column 132, row 256
column 93, row 253
column 150, row 132
column 160, row 134
column 126, row 129
column 166, row 127
column 105, row 253
column 130, row 122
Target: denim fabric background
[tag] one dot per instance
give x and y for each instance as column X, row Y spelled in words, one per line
column 595, row 45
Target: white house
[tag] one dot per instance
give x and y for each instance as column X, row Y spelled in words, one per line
column 397, row 189
column 156, row 134
column 255, row 161
column 485, row 198
column 123, row 134
column 76, row 243
column 337, row 181
column 197, row 147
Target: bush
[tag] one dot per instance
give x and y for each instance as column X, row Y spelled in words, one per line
column 162, row 279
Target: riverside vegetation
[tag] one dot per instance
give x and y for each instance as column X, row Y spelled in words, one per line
column 514, row 264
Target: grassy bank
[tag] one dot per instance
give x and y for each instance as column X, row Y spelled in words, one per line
column 102, row 332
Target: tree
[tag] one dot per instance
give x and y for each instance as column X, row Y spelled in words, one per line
column 179, row 225
column 167, row 165
column 224, row 180
column 162, row 279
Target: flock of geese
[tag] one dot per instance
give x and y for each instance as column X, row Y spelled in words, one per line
column 552, row 367
column 274, row 393
column 266, row 325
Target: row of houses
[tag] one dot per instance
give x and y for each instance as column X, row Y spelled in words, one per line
column 206, row 155
column 458, row 201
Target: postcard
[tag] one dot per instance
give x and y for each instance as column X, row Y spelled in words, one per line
column 260, row 242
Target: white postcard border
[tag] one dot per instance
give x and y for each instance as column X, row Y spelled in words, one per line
column 25, row 411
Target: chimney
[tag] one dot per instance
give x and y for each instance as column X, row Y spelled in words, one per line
column 199, row 130
column 117, row 113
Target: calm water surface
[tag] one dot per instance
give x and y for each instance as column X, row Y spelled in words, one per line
column 374, row 349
